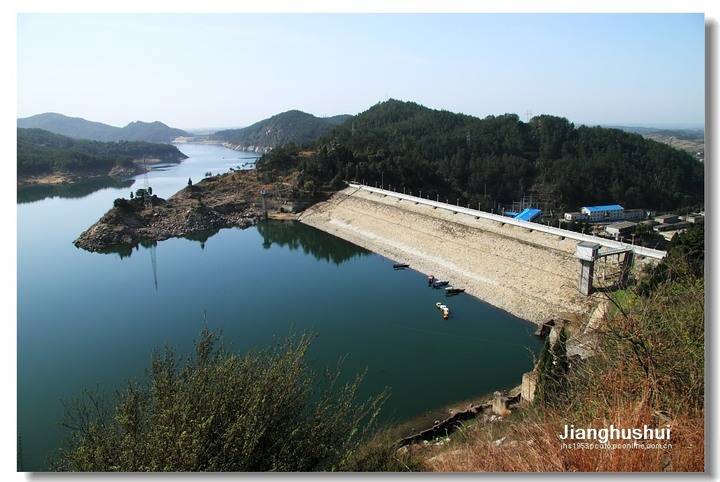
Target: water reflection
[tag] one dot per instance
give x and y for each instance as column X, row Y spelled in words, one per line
column 296, row 235
column 202, row 236
column 126, row 251
column 38, row 192
column 291, row 234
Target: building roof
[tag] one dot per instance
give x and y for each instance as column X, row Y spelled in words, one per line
column 528, row 214
column 621, row 225
column 588, row 244
column 608, row 207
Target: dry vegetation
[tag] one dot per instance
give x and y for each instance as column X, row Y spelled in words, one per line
column 649, row 370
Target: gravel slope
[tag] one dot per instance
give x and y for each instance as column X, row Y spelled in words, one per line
column 529, row 274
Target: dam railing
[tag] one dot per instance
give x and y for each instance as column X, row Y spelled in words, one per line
column 564, row 233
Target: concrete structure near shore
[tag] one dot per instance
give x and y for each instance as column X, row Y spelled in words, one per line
column 527, row 269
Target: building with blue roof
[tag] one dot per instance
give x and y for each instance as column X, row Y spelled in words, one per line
column 609, row 207
column 528, row 214
column 608, row 212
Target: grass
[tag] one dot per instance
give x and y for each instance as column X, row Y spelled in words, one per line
column 648, row 370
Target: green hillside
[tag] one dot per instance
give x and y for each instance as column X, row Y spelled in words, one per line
column 42, row 152
column 460, row 156
column 292, row 126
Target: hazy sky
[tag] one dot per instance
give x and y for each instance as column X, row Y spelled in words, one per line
column 231, row 70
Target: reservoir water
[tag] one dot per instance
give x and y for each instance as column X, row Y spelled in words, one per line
column 88, row 320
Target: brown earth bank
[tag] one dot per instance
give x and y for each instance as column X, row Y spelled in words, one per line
column 229, row 200
column 63, row 177
column 118, row 171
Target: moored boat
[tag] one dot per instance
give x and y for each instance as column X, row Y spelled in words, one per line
column 453, row 291
column 444, row 310
column 440, row 284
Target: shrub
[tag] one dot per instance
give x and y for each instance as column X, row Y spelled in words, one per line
column 222, row 412
column 122, row 203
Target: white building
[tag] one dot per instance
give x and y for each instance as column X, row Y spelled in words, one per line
column 607, row 213
column 575, row 216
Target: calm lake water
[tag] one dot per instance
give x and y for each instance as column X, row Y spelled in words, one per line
column 88, row 320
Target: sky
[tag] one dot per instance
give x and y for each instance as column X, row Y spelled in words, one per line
column 230, row 70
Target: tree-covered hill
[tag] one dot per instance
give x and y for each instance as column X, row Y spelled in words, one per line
column 293, row 126
column 497, row 159
column 150, row 132
column 79, row 128
column 42, row 152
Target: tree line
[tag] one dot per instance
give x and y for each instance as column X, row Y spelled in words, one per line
column 496, row 159
column 40, row 151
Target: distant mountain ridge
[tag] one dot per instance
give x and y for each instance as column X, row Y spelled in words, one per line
column 693, row 134
column 293, row 126
column 691, row 140
column 79, row 128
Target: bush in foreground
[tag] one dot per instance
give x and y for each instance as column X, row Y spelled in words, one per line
column 224, row 412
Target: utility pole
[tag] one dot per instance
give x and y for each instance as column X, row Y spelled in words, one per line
column 263, row 193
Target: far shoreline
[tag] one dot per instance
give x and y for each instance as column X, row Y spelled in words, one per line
column 58, row 178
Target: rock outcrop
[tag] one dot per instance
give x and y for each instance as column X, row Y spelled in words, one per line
column 228, row 200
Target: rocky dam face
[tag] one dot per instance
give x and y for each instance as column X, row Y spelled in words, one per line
column 530, row 274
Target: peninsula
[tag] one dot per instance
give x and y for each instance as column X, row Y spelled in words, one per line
column 228, row 200
column 47, row 158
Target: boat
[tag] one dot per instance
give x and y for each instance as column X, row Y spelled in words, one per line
column 444, row 310
column 440, row 284
column 431, row 279
column 400, row 266
column 449, row 291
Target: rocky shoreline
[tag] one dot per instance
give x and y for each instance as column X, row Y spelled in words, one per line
column 257, row 149
column 56, row 178
column 229, row 200
column 118, row 171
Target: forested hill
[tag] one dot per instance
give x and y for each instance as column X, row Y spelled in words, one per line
column 293, row 126
column 79, row 128
column 460, row 156
column 42, row 152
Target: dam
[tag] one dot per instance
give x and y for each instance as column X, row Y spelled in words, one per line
column 526, row 269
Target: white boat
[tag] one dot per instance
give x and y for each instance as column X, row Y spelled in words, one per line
column 443, row 309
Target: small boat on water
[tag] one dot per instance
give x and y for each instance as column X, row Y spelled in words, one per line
column 400, row 266
column 450, row 291
column 444, row 310
column 431, row 280
column 440, row 284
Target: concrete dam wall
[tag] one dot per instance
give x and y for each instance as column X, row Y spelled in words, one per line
column 530, row 274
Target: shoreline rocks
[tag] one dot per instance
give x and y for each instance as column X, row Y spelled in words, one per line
column 228, row 200
column 118, row 171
